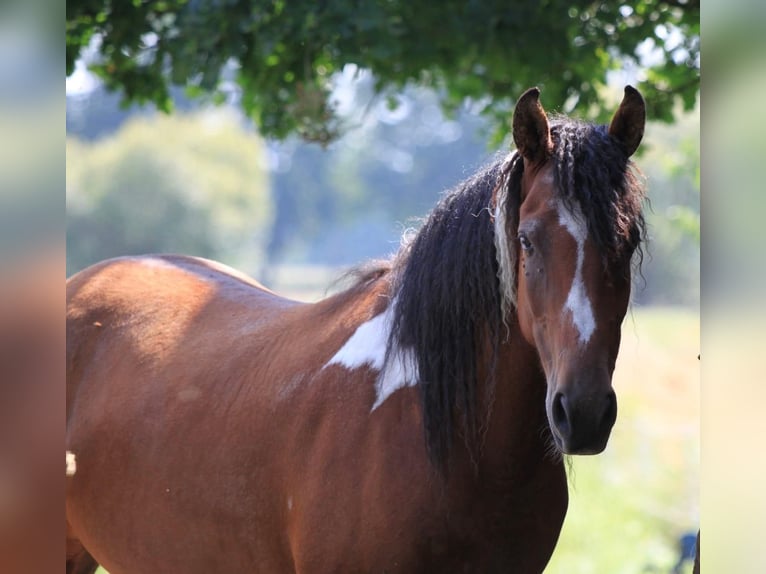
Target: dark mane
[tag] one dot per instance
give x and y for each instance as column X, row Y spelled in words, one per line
column 448, row 300
column 594, row 170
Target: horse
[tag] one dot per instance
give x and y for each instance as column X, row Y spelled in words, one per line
column 415, row 421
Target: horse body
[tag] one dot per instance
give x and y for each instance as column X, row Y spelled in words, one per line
column 284, row 468
column 221, row 428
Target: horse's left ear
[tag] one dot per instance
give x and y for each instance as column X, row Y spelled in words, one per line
column 531, row 132
column 627, row 125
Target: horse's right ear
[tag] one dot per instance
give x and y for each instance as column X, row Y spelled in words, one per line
column 531, row 132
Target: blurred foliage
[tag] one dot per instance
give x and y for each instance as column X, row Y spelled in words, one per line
column 734, row 280
column 734, row 188
column 194, row 184
column 31, row 141
column 671, row 163
column 283, row 55
column 31, row 165
column 353, row 200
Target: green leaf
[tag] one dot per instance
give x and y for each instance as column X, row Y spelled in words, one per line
column 486, row 51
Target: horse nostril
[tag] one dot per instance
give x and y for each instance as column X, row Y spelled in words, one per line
column 560, row 416
column 610, row 413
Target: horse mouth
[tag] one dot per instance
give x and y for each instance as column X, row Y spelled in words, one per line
column 585, row 449
column 565, row 446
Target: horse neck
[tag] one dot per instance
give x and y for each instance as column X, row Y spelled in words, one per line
column 516, row 420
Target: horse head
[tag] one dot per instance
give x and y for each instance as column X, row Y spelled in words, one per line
column 571, row 229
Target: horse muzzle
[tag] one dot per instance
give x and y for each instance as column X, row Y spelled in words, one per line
column 582, row 422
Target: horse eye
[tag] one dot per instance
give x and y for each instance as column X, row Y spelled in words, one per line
column 525, row 243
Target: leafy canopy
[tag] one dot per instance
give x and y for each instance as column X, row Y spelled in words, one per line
column 282, row 54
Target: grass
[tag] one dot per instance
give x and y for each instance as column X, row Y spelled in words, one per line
column 629, row 505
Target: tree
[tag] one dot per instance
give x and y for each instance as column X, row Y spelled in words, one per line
column 353, row 200
column 283, row 55
column 185, row 183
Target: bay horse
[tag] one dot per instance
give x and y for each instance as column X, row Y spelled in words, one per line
column 414, row 422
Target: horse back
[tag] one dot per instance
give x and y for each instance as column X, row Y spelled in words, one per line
column 150, row 305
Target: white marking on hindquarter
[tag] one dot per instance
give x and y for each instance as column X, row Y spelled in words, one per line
column 577, row 302
column 156, row 263
column 367, row 346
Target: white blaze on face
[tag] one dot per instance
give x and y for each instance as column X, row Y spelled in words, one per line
column 367, row 347
column 577, row 302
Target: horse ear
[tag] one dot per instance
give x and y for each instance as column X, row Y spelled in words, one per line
column 627, row 125
column 531, row 132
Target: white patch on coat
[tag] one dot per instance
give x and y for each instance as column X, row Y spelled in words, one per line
column 577, row 302
column 289, row 503
column 367, row 347
column 155, row 262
